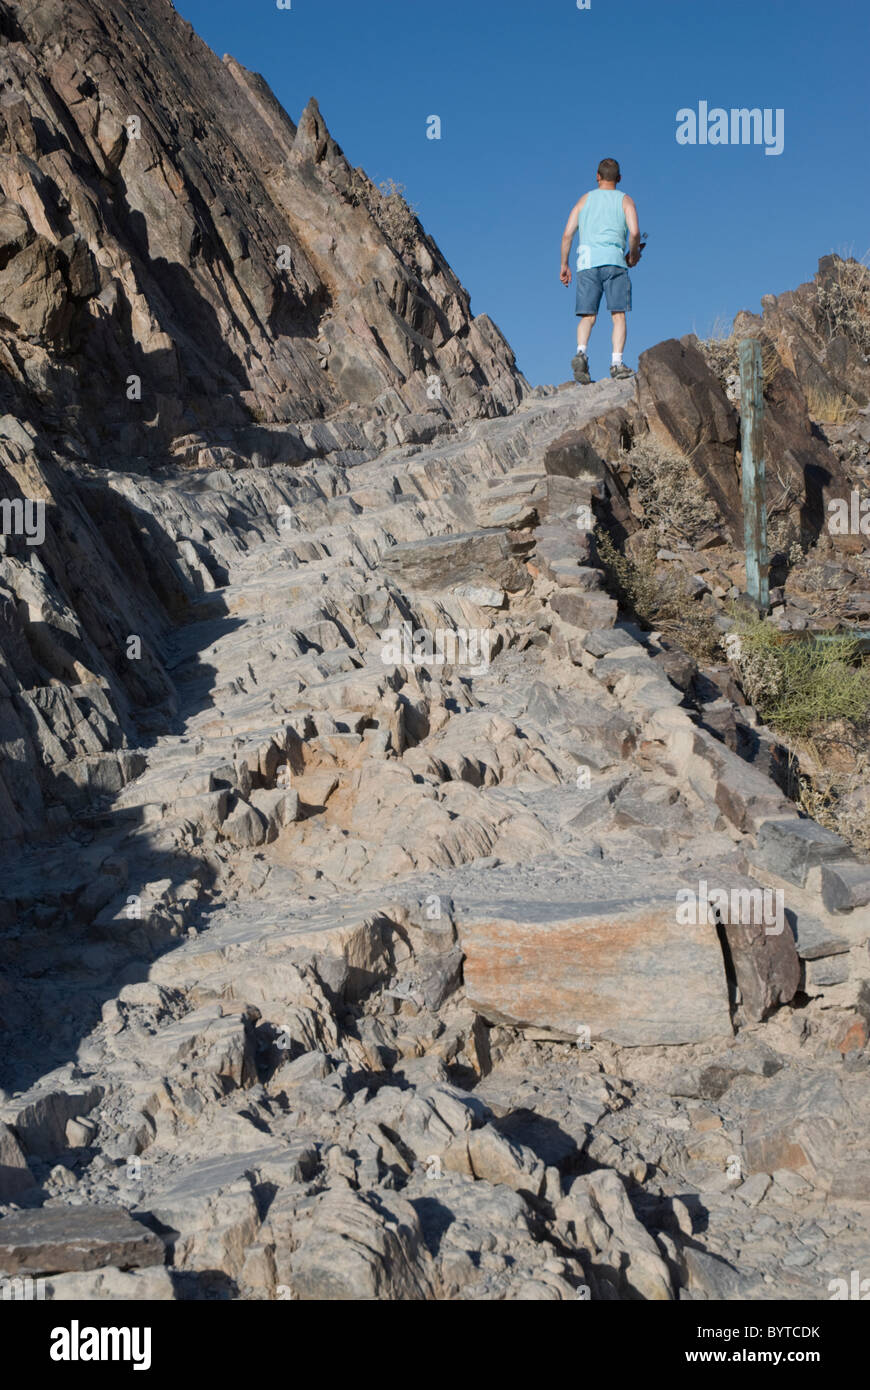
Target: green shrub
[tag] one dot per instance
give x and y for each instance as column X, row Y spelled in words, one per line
column 798, row 685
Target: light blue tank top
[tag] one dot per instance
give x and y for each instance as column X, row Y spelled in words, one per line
column 603, row 229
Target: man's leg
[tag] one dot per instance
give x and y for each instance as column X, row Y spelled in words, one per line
column 580, row 363
column 618, row 290
column 584, row 328
column 617, row 366
column 619, row 333
column 588, row 299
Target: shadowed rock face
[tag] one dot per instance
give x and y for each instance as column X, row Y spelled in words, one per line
column 186, row 279
column 683, row 403
column 164, row 218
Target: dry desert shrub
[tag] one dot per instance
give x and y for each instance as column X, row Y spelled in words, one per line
column 844, row 301
column 388, row 206
column 657, row 598
column 670, row 494
column 830, row 407
column 721, row 353
column 837, row 799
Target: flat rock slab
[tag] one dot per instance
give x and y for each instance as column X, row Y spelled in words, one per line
column 60, row 1240
column 792, row 847
column 623, row 969
column 440, row 562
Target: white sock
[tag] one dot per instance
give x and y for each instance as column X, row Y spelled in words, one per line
column 616, row 359
column 581, row 347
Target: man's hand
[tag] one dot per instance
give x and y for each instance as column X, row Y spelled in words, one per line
column 565, row 275
column 634, row 253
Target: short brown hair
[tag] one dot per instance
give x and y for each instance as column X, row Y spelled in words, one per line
column 609, row 170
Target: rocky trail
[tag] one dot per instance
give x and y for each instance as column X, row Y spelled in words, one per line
column 385, row 913
column 377, row 987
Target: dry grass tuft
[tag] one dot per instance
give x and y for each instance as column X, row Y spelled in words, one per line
column 671, row 496
column 657, row 598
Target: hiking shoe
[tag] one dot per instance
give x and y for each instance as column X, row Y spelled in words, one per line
column 580, row 368
column 619, row 370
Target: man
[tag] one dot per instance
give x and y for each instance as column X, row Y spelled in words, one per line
column 604, row 217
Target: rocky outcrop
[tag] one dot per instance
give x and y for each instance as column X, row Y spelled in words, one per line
column 683, row 403
column 177, row 257
column 820, row 331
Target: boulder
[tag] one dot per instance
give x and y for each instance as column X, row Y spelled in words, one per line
column 481, row 558
column 615, row 967
column 363, row 1247
column 686, row 407
column 54, row 1240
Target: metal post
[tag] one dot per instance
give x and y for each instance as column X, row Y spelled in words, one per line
column 754, row 520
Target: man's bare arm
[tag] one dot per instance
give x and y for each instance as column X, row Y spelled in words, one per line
column 567, row 238
column 630, row 211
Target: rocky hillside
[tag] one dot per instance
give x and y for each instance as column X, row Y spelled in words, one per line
column 390, row 908
column 165, row 219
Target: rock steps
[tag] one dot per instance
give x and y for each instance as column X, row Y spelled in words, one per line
column 342, row 872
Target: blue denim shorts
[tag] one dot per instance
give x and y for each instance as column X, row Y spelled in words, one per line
column 610, row 280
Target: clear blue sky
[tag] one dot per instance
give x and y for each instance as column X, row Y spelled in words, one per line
column 532, row 93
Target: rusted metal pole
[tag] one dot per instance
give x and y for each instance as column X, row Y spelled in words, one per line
column 752, row 448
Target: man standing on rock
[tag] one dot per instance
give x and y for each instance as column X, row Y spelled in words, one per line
column 604, row 217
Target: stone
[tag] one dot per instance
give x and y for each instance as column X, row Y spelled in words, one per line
column 39, row 1117
column 584, row 610
column 496, row 1159
column 244, row 826
column 761, row 948
column 642, row 1268
column 687, row 409
column 791, row 1124
column 111, row 1285
column 572, row 456
column 833, row 970
column 790, row 848
column 478, row 558
column 612, row 966
column 208, row 1213
column 362, row 1247
column 845, row 885
column 753, row 1189
column 440, row 976
column 15, row 1175
column 56, row 1240
column 80, row 1133
column 278, row 808
column 710, row 1277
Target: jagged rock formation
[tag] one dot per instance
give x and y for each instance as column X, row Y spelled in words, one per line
column 358, row 935
column 361, row 854
column 165, row 219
